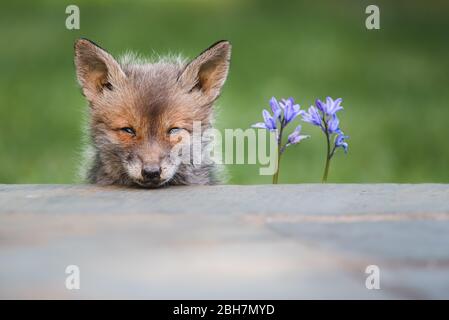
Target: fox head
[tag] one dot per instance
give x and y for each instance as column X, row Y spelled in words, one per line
column 138, row 112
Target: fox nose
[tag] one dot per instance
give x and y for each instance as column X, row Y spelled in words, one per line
column 151, row 173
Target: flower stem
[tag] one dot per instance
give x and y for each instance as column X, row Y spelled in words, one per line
column 276, row 175
column 328, row 156
column 326, row 170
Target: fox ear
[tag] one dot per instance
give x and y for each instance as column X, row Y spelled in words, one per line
column 96, row 69
column 207, row 72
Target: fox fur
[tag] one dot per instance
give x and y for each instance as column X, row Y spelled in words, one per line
column 138, row 108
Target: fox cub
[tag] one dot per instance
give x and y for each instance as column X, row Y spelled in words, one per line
column 138, row 112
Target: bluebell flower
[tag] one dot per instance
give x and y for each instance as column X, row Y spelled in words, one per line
column 295, row 137
column 333, row 124
column 324, row 115
column 284, row 112
column 340, row 141
column 269, row 122
column 329, row 108
column 274, row 104
column 312, row 116
column 291, row 110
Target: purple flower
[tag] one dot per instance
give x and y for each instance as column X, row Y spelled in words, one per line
column 285, row 111
column 340, row 141
column 312, row 117
column 329, row 108
column 333, row 124
column 291, row 110
column 274, row 104
column 269, row 122
column 295, row 137
column 324, row 115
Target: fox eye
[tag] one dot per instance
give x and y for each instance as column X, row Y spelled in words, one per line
column 129, row 130
column 174, row 130
column 107, row 85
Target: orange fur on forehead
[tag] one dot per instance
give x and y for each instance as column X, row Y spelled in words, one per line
column 134, row 92
column 164, row 104
column 149, row 114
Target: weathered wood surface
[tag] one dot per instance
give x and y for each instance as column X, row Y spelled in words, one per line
column 285, row 241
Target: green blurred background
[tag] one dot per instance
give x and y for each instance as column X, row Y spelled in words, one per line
column 394, row 82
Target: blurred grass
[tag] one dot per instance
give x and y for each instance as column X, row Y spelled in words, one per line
column 394, row 82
